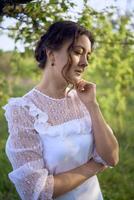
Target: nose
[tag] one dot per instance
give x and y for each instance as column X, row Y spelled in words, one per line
column 83, row 62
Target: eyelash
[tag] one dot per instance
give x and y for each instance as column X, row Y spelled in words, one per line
column 78, row 53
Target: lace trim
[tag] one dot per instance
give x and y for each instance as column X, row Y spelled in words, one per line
column 41, row 124
column 47, row 193
column 54, row 99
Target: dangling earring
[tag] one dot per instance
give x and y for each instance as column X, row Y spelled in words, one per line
column 52, row 64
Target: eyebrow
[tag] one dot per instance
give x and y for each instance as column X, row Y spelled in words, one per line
column 89, row 52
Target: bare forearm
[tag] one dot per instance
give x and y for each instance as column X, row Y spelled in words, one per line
column 69, row 180
column 106, row 143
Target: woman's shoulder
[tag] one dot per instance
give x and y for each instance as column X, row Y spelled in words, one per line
column 22, row 106
column 20, row 101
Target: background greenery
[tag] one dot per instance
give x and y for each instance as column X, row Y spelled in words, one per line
column 110, row 67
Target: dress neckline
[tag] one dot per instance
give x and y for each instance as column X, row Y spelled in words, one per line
column 51, row 98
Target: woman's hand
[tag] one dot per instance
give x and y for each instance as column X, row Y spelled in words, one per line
column 86, row 91
column 98, row 167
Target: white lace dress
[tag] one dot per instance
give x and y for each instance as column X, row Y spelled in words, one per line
column 48, row 136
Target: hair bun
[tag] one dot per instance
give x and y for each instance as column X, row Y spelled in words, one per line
column 40, row 52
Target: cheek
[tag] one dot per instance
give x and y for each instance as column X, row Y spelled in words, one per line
column 75, row 59
column 74, row 63
column 61, row 60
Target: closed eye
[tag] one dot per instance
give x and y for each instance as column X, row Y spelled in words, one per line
column 78, row 52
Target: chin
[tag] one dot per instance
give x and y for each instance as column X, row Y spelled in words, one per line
column 75, row 79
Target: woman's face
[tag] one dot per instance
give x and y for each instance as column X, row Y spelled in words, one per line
column 79, row 54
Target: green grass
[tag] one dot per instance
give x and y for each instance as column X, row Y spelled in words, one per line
column 117, row 183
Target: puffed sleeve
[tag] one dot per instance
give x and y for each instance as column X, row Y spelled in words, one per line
column 25, row 152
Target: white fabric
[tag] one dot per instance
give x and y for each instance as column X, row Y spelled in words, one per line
column 49, row 136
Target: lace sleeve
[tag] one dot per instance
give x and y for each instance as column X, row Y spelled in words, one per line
column 24, row 150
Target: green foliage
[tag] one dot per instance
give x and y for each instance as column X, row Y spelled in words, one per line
column 16, row 69
column 34, row 18
column 111, row 65
column 23, row 65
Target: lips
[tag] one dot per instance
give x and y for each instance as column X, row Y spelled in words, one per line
column 80, row 71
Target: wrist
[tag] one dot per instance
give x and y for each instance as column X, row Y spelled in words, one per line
column 92, row 105
column 94, row 167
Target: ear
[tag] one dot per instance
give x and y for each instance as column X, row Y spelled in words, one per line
column 50, row 54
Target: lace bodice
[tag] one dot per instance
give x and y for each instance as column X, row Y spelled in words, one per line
column 37, row 123
column 58, row 110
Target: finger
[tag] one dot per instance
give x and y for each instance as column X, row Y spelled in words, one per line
column 84, row 85
column 80, row 85
column 79, row 82
column 104, row 167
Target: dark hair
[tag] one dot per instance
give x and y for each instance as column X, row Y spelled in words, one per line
column 56, row 35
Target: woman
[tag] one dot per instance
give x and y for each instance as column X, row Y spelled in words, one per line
column 58, row 138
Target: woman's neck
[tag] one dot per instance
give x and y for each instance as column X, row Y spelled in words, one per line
column 53, row 87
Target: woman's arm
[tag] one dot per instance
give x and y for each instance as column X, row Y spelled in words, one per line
column 69, row 180
column 106, row 144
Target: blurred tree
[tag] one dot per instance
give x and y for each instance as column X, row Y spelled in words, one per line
column 4, row 3
column 111, row 65
column 12, row 73
column 33, row 18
